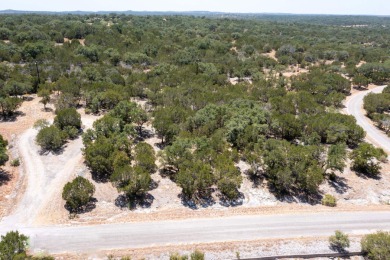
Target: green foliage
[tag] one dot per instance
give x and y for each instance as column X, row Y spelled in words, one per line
column 40, row 124
column 67, row 117
column 196, row 255
column 376, row 246
column 15, row 162
column 8, row 105
column 366, row 159
column 337, row 156
column 329, row 200
column 50, row 138
column 292, row 167
column 195, row 178
column 3, row 151
column 339, row 240
column 77, row 193
column 145, row 157
column 99, row 156
column 45, row 96
column 134, row 181
column 13, row 244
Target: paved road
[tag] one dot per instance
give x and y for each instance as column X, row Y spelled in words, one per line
column 59, row 239
column 354, row 107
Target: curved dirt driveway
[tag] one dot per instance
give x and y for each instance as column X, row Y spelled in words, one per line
column 45, row 177
column 354, row 106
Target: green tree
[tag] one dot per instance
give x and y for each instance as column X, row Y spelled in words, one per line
column 195, row 178
column 8, row 105
column 145, row 157
column 68, row 117
column 134, row 181
column 44, row 94
column 50, row 138
column 99, row 157
column 366, row 159
column 376, row 246
column 3, row 151
column 12, row 245
column 336, row 158
column 339, row 241
column 78, row 193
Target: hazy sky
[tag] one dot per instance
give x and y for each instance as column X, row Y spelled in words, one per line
column 375, row 7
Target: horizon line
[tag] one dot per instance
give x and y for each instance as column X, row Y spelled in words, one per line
column 189, row 11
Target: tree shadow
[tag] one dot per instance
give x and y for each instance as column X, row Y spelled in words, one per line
column 161, row 145
column 226, row 202
column 59, row 151
column 12, row 117
column 142, row 201
column 100, row 178
column 256, row 178
column 199, row 201
column 167, row 172
column 91, row 205
column 296, row 196
column 5, row 177
column 47, row 109
column 338, row 249
column 153, row 185
column 144, row 134
column 339, row 184
column 366, row 175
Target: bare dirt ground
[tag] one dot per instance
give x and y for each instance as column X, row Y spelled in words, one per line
column 271, row 55
column 294, row 71
column 30, row 111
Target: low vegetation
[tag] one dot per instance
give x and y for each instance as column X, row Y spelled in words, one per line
column 339, row 241
column 196, row 255
column 67, row 125
column 376, row 246
column 329, row 200
column 3, row 151
column 13, row 246
column 378, row 109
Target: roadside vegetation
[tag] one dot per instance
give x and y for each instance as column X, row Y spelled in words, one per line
column 378, row 109
column 217, row 91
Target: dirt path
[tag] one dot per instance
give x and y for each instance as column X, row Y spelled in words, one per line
column 45, row 177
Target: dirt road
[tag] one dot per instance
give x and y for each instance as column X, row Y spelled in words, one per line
column 354, row 106
column 46, row 175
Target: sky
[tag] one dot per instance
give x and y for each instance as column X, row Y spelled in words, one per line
column 371, row 7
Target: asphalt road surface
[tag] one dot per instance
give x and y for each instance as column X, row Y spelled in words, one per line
column 58, row 239
column 354, row 107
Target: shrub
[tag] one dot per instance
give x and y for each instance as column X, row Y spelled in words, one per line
column 68, row 117
column 339, row 240
column 13, row 245
column 15, row 162
column 329, row 200
column 77, row 193
column 71, row 132
column 50, row 138
column 376, row 246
